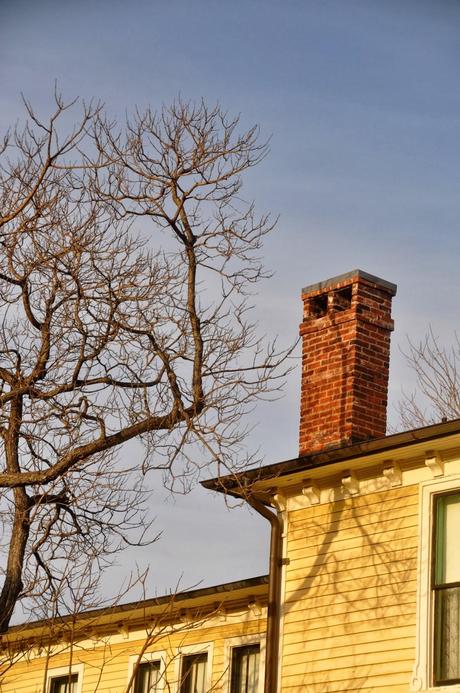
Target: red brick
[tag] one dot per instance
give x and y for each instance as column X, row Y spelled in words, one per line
column 345, row 362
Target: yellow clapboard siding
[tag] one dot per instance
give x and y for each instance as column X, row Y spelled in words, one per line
column 360, row 686
column 310, row 531
column 349, row 661
column 368, row 576
column 365, row 542
column 106, row 666
column 349, row 608
column 346, row 518
column 385, row 671
column 334, row 638
column 363, row 642
column 385, row 554
column 322, row 618
column 348, row 508
column 306, row 584
column 345, row 604
column 353, row 594
column 388, row 682
column 347, row 631
column 350, row 518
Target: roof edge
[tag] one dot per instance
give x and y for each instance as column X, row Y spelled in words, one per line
column 219, row 589
column 231, row 482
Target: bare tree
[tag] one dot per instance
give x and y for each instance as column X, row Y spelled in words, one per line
column 78, row 637
column 108, row 334
column 437, row 372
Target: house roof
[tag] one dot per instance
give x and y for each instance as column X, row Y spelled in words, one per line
column 138, row 612
column 236, row 484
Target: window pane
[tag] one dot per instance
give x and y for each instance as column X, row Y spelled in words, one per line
column 447, row 590
column 64, row 684
column 447, row 629
column 447, row 530
column 193, row 675
column 147, row 677
column 245, row 669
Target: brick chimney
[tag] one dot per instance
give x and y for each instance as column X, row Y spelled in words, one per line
column 345, row 360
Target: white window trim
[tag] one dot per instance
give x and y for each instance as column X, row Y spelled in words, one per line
column 199, row 648
column 229, row 645
column 158, row 656
column 422, row 674
column 63, row 671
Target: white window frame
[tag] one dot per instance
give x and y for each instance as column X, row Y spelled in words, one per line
column 233, row 643
column 199, row 648
column 422, row 674
column 158, row 656
column 64, row 671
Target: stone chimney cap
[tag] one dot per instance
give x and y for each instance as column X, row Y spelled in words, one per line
column 354, row 274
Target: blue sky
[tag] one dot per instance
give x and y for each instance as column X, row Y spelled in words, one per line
column 362, row 103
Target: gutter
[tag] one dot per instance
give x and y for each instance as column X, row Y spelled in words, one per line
column 274, row 595
column 232, row 483
column 228, row 592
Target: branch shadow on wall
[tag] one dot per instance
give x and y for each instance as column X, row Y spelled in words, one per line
column 347, row 620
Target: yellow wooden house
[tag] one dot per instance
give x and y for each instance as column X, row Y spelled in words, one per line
column 190, row 641
column 363, row 591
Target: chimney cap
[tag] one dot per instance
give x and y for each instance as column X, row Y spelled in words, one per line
column 353, row 274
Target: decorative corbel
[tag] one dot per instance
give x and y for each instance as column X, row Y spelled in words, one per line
column 434, row 463
column 392, row 472
column 185, row 616
column 95, row 637
column 66, row 637
column 311, row 491
column 255, row 607
column 123, row 630
column 350, row 484
column 279, row 501
column 220, row 611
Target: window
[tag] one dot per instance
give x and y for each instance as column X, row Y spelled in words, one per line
column 148, row 677
column 193, row 673
column 149, row 674
column 244, row 664
column 437, row 661
column 64, row 684
column 65, row 679
column 445, row 583
column 245, row 669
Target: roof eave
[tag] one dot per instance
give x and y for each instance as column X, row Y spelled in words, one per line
column 237, row 484
column 131, row 611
